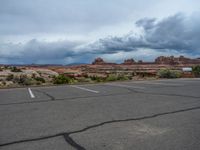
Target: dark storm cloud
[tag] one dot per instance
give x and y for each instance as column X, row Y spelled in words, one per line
column 39, row 52
column 178, row 32
column 146, row 23
column 50, row 16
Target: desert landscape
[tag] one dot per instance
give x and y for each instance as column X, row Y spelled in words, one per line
column 99, row 75
column 98, row 71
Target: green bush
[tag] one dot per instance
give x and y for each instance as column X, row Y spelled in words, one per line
column 40, row 79
column 15, row 69
column 167, row 73
column 114, row 77
column 10, row 77
column 22, row 80
column 111, row 77
column 83, row 79
column 97, row 79
column 25, row 80
column 61, row 79
column 123, row 77
column 196, row 71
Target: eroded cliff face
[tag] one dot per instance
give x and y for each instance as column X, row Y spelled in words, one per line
column 129, row 61
column 171, row 60
column 99, row 66
column 100, row 61
column 176, row 60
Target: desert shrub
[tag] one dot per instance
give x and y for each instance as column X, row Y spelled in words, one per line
column 22, row 80
column 40, row 79
column 196, row 71
column 4, row 83
column 26, row 81
column 61, row 79
column 123, row 77
column 167, row 73
column 1, row 69
column 5, row 67
column 15, row 69
column 10, row 77
column 83, row 79
column 113, row 77
column 97, row 79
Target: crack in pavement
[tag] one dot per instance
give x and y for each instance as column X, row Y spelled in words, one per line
column 77, row 146
column 164, row 94
column 45, row 93
column 62, row 99
column 74, row 98
column 161, row 94
column 31, row 140
column 70, row 141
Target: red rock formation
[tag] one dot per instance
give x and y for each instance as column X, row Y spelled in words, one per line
column 165, row 60
column 98, row 61
column 129, row 62
column 176, row 60
column 162, row 60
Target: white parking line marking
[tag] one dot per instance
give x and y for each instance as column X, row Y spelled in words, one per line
column 31, row 93
column 85, row 89
column 122, row 85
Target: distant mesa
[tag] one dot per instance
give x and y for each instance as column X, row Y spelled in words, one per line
column 176, row 60
column 171, row 60
column 129, row 61
column 100, row 61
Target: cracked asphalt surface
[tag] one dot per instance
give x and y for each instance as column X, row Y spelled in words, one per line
column 134, row 115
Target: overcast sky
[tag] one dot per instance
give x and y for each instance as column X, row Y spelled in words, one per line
column 77, row 31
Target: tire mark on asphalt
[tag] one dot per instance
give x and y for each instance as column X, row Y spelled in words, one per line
column 77, row 146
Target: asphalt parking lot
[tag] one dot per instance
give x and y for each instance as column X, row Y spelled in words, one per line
column 135, row 115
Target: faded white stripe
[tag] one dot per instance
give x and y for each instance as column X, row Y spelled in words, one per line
column 128, row 86
column 85, row 89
